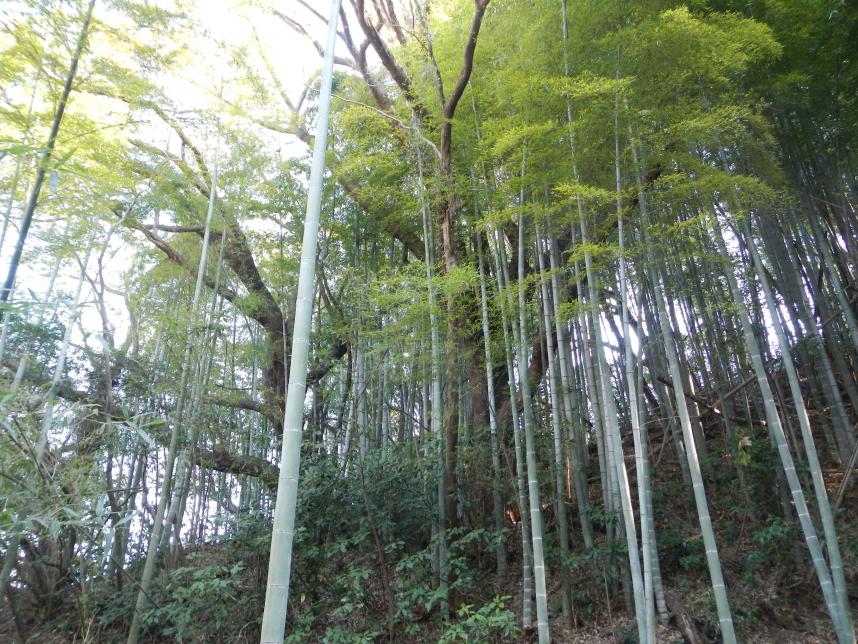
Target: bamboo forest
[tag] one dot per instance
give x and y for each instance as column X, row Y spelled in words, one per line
column 357, row 321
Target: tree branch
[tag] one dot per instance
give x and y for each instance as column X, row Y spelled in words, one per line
column 463, row 80
column 397, row 73
column 300, row 29
column 238, row 465
column 468, row 65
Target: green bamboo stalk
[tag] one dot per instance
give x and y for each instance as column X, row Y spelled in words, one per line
column 554, row 393
column 497, row 504
column 530, row 447
column 437, row 401
column 836, row 562
column 722, row 604
column 614, row 446
column 834, row 278
column 176, row 436
column 647, row 612
column 280, row 561
column 45, row 159
column 19, row 162
column 571, row 407
column 510, row 337
column 829, row 384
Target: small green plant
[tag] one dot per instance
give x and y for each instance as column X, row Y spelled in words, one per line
column 300, row 629
column 195, row 603
column 492, row 622
column 626, row 635
column 338, row 635
column 772, row 542
column 353, row 580
column 695, row 557
column 593, row 572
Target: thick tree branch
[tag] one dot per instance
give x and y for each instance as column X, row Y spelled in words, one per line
column 449, row 108
column 397, row 73
column 247, row 404
column 239, row 465
column 177, row 258
column 468, row 65
column 165, row 228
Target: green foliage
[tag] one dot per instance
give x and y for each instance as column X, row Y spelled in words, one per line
column 590, row 195
column 517, row 138
column 195, row 602
column 626, row 635
column 459, row 281
column 339, row 635
column 492, row 622
column 38, row 338
column 594, row 572
column 680, row 550
column 751, row 448
column 773, row 547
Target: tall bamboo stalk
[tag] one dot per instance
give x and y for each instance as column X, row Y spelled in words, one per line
column 497, row 504
column 280, row 562
column 176, row 436
column 614, row 446
column 530, row 453
column 722, row 603
column 648, row 609
column 836, row 562
column 554, row 393
column 436, row 397
column 571, row 408
column 511, row 339
column 45, row 159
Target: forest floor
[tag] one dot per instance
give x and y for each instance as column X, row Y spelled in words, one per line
column 773, row 590
column 785, row 614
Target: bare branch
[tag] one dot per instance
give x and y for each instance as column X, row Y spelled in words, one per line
column 173, row 123
column 394, row 22
column 274, row 78
column 430, row 51
column 397, row 73
column 177, row 161
column 177, row 258
column 316, row 13
column 299, row 28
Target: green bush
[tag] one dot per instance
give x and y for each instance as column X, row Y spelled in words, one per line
column 197, row 603
column 492, row 622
